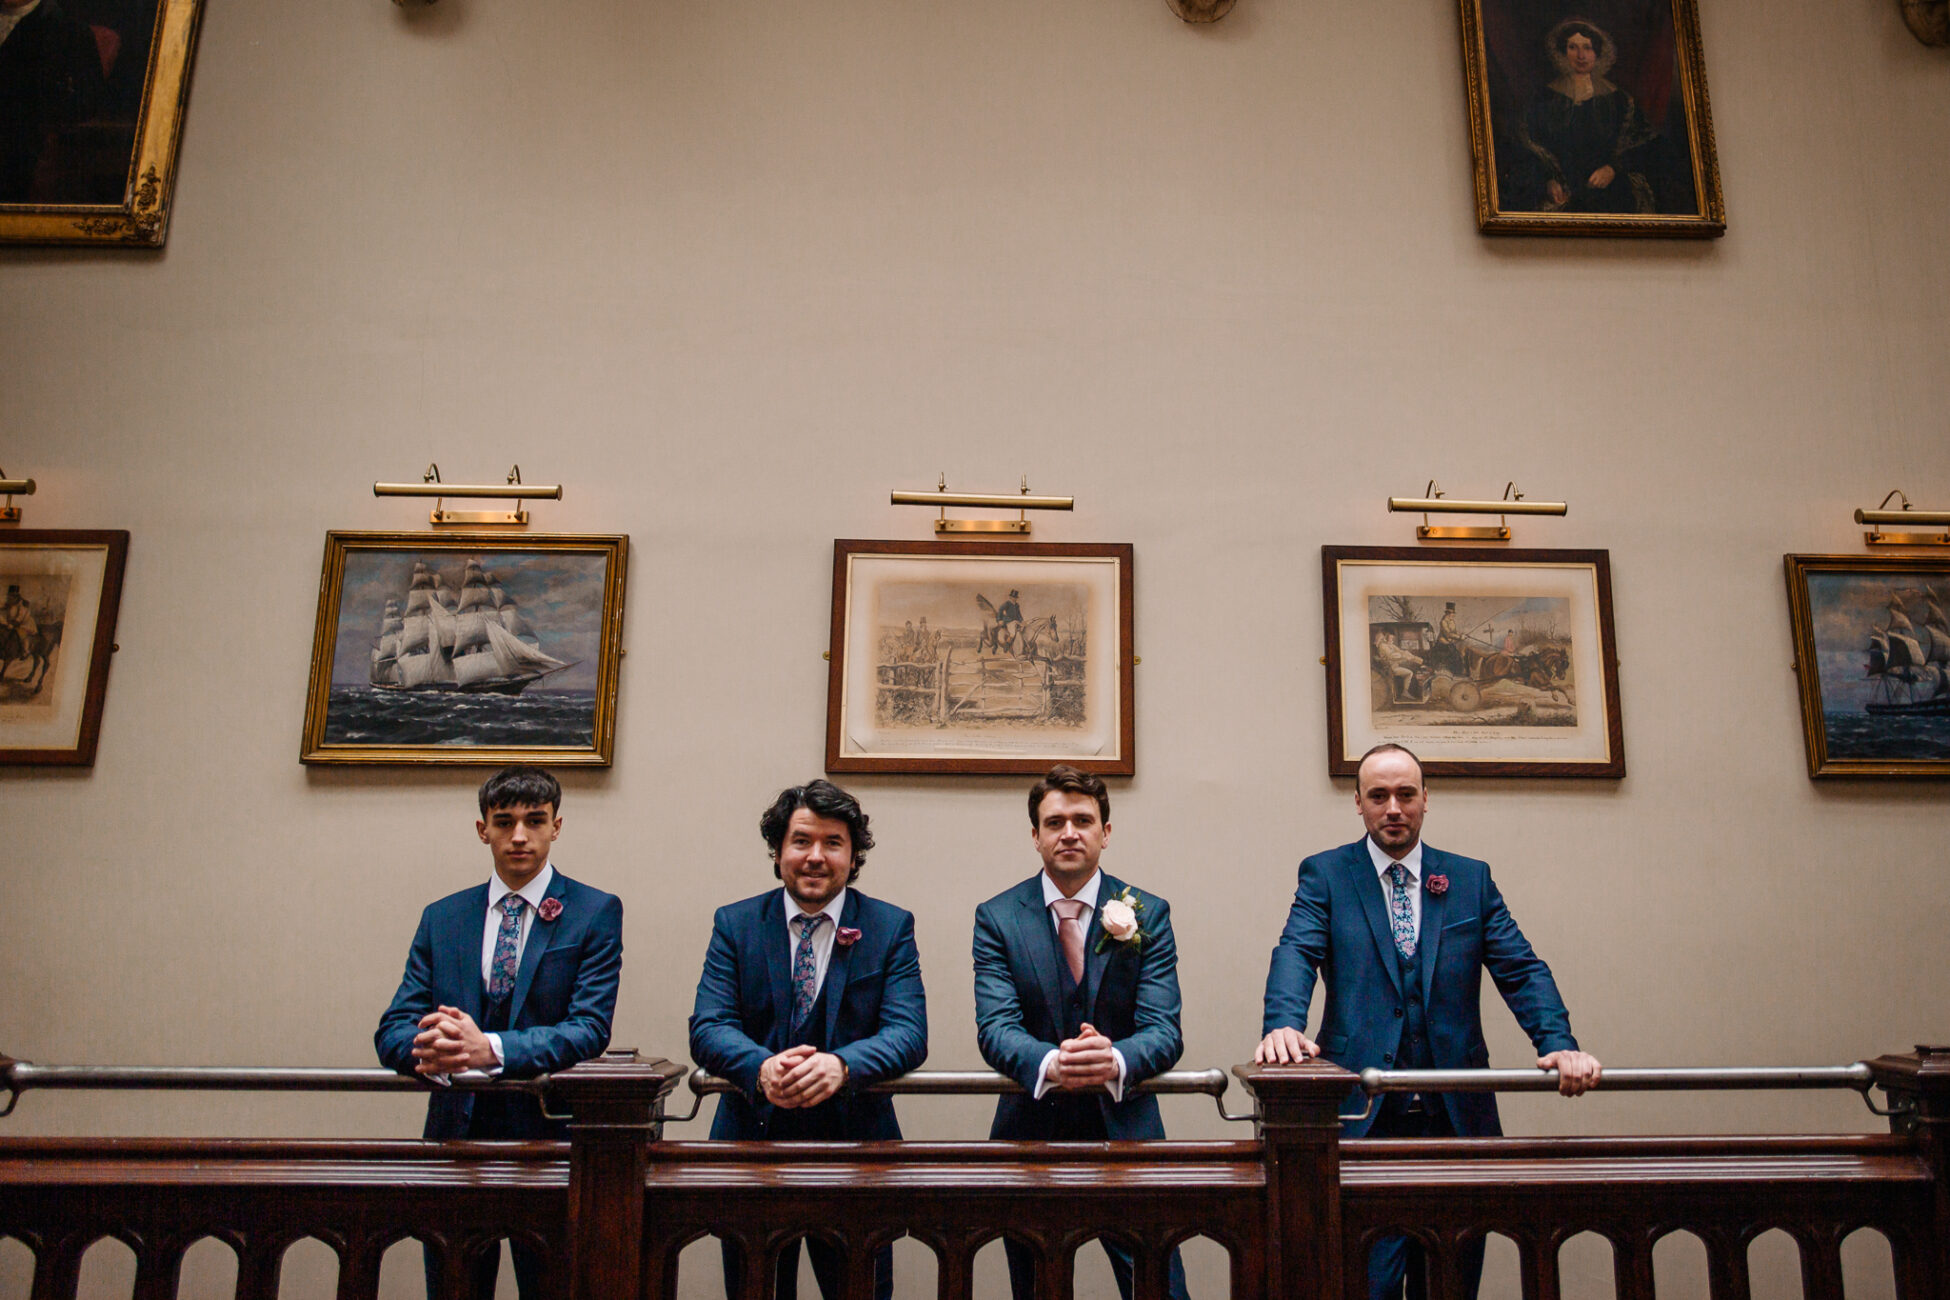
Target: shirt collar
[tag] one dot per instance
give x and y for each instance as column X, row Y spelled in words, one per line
column 833, row 910
column 531, row 893
column 9, row 21
column 1087, row 895
column 1413, row 860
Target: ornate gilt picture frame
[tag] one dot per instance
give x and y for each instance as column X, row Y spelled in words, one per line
column 92, row 94
column 980, row 657
column 1872, row 652
column 1484, row 663
column 60, row 592
column 1590, row 117
column 472, row 648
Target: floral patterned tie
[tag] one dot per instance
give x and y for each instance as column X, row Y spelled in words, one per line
column 1401, row 912
column 507, row 948
column 805, row 971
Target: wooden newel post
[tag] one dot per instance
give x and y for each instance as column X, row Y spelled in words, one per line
column 1920, row 1082
column 1299, row 1121
column 616, row 1104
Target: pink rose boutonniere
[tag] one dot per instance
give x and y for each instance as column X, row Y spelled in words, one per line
column 1119, row 919
column 846, row 936
column 550, row 909
column 1437, row 885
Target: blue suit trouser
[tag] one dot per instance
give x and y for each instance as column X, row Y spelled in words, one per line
column 1398, row 1261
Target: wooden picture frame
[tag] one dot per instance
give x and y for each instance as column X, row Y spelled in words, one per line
column 1872, row 652
column 1484, row 663
column 60, row 594
column 1613, row 137
column 1028, row 661
column 429, row 648
column 89, row 138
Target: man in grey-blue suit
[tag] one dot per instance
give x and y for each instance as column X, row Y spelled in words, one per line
column 809, row 994
column 1076, row 996
column 1402, row 933
column 516, row 977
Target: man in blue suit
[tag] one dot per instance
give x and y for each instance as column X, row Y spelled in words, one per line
column 516, row 977
column 1076, row 995
column 809, row 994
column 1403, row 933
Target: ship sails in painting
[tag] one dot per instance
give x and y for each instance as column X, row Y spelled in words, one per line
column 1909, row 666
column 474, row 641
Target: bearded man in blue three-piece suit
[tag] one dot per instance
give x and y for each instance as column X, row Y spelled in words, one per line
column 1402, row 933
column 514, row 978
column 1076, row 996
column 810, row 993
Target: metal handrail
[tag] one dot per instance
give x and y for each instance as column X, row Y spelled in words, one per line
column 18, row 1077
column 1858, row 1077
column 980, row 1083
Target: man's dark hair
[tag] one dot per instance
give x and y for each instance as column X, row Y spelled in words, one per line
column 519, row 787
column 1067, row 779
column 822, row 799
column 1389, row 746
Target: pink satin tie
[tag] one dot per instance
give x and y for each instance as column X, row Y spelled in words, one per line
column 1069, row 933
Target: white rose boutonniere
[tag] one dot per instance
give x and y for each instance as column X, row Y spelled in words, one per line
column 1119, row 917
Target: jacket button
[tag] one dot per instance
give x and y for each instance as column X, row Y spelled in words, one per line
column 1388, row 1058
column 1398, row 1013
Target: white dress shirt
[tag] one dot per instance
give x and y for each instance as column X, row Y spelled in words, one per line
column 531, row 893
column 822, row 940
column 1413, row 861
column 1088, row 897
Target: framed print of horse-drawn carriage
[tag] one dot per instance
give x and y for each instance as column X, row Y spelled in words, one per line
column 1485, row 663
column 1872, row 650
column 60, row 590
column 980, row 657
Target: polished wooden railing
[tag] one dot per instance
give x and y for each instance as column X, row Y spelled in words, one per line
column 1295, row 1207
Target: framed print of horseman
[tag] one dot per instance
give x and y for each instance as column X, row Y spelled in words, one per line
column 1590, row 117
column 60, row 590
column 980, row 657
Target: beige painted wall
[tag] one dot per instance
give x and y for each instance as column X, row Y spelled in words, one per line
column 732, row 271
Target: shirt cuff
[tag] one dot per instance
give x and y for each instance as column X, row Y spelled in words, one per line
column 500, row 1059
column 1043, row 1081
column 1116, row 1086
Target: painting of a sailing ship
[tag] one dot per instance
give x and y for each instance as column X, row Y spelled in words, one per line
column 966, row 657
column 1878, row 644
column 495, row 646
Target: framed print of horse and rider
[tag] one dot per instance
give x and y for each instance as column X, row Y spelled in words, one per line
column 1485, row 663
column 59, row 593
column 978, row 657
column 1590, row 117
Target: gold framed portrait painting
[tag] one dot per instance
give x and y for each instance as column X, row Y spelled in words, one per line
column 92, row 94
column 60, row 592
column 1590, row 117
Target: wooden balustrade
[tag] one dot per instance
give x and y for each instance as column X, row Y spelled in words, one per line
column 1295, row 1208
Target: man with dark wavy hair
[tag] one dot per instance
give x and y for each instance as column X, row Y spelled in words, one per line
column 516, row 977
column 810, row 993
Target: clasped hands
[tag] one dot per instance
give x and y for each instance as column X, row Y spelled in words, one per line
column 1083, row 1062
column 449, row 1041
column 801, row 1076
column 1577, row 1072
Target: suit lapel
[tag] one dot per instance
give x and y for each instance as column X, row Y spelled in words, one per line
column 778, row 967
column 840, row 967
column 1434, row 916
column 1108, row 887
column 1367, row 886
column 1038, row 939
column 540, row 934
column 466, row 945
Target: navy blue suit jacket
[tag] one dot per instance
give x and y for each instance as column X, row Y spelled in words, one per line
column 876, row 1009
column 1130, row 993
column 563, row 999
column 1339, row 926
